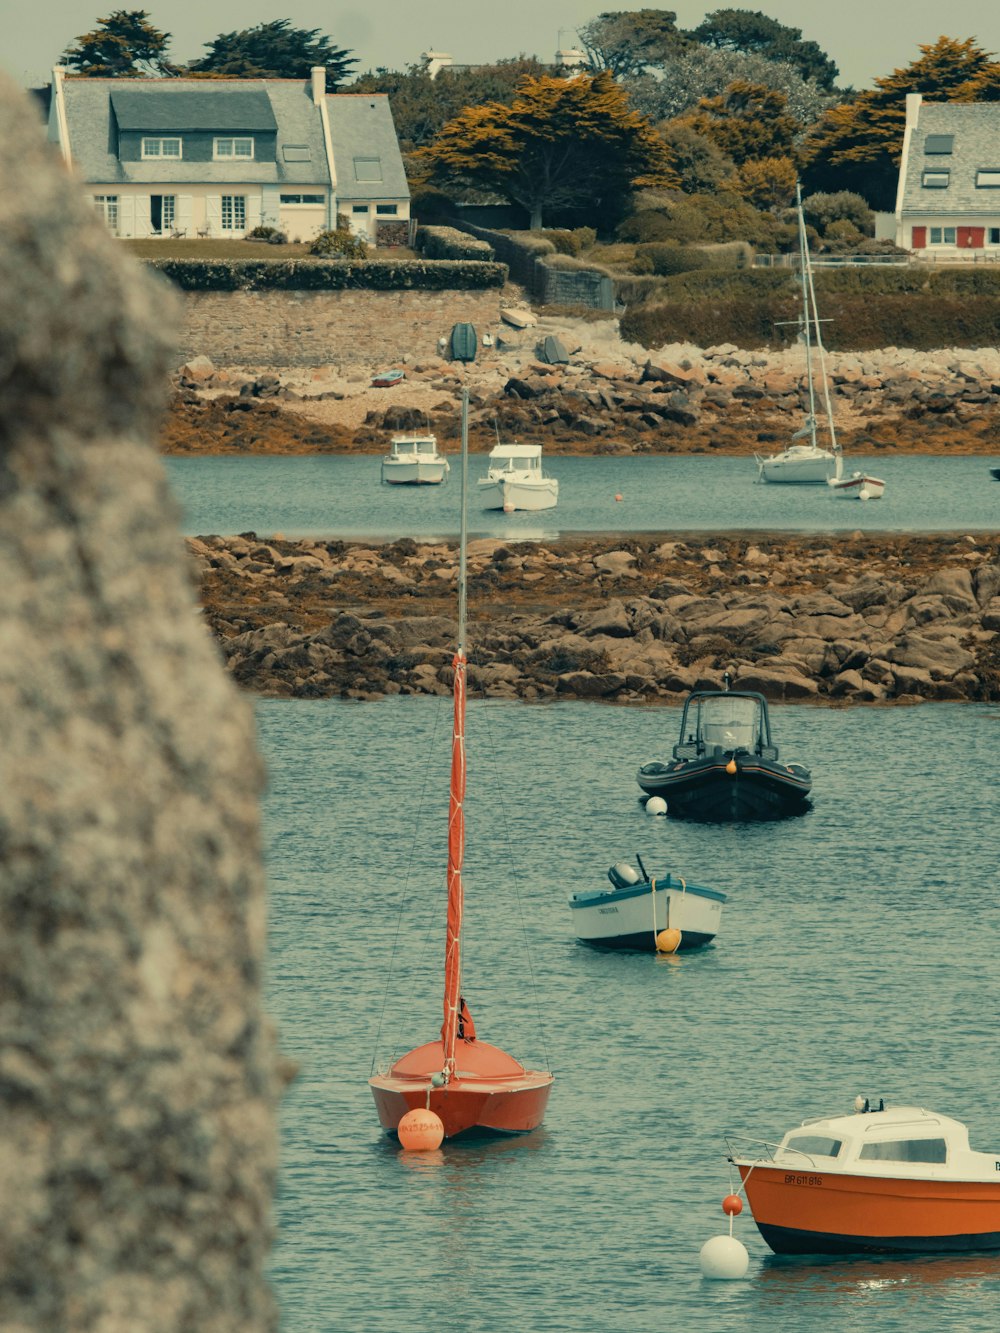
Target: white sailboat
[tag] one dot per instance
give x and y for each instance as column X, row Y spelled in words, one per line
column 805, row 460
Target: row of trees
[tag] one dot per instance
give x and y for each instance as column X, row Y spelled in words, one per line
column 126, row 45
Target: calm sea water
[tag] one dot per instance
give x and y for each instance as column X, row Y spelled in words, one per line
column 857, row 953
column 343, row 497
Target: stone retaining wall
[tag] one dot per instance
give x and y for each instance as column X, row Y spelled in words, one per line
column 301, row 328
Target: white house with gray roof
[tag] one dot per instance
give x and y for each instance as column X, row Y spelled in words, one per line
column 218, row 157
column 948, row 199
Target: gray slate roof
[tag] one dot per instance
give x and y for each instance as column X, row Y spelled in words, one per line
column 361, row 126
column 88, row 113
column 976, row 130
column 175, row 106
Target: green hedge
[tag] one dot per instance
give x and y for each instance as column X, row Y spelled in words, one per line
column 449, row 243
column 923, row 321
column 312, row 275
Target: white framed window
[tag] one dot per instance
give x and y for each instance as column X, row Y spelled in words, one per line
column 935, row 180
column 107, row 207
column 162, row 148
column 162, row 212
column 360, row 208
column 988, row 178
column 942, row 235
column 234, row 148
column 386, row 210
column 367, row 168
column 303, row 199
column 234, row 212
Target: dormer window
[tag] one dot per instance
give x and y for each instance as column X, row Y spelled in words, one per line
column 988, row 178
column 935, row 180
column 939, row 143
column 161, row 148
column 227, row 149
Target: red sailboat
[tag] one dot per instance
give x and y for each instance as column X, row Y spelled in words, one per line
column 471, row 1085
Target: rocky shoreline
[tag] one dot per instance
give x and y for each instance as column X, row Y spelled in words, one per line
column 609, row 398
column 854, row 620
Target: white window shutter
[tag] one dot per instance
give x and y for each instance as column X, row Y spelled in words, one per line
column 270, row 206
column 213, row 213
column 253, row 211
column 185, row 213
column 126, row 215
column 143, row 224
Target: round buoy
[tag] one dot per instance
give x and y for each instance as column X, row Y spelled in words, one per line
column 420, row 1130
column 508, row 508
column 732, row 1205
column 656, row 805
column 864, row 493
column 731, row 767
column 669, row 940
column 618, row 497
column 724, row 1258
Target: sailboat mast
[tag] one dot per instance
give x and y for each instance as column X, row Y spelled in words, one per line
column 827, row 404
column 807, row 318
column 456, row 804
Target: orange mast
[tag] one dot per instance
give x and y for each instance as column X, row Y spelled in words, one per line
column 456, row 806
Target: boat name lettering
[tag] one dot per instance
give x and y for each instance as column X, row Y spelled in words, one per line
column 998, row 1166
column 792, row 1179
column 613, row 911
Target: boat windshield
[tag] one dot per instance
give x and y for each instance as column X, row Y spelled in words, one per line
column 513, row 463
column 730, row 722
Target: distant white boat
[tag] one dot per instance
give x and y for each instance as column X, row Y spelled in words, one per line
column 806, row 461
column 636, row 909
column 414, row 461
column 858, row 486
column 514, row 480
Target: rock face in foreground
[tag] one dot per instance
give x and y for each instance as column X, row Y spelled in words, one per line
column 138, row 1079
column 813, row 619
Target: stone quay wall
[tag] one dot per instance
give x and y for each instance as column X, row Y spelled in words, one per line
column 317, row 328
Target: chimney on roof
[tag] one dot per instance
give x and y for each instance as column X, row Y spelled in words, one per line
column 318, row 84
column 913, row 101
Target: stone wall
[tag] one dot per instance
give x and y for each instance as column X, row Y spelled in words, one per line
column 302, row 328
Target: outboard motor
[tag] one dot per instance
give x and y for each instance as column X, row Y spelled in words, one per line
column 622, row 875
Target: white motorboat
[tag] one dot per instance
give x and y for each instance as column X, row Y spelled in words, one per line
column 858, row 486
column 414, row 461
column 806, row 461
column 514, row 480
column 636, row 911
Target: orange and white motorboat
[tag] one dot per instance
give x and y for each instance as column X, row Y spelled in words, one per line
column 897, row 1179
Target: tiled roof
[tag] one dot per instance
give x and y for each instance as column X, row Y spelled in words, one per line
column 975, row 128
column 175, row 106
column 289, row 107
column 361, row 126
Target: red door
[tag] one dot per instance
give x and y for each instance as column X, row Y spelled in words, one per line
column 978, row 237
column 919, row 238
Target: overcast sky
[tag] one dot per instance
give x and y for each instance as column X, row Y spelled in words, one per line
column 865, row 37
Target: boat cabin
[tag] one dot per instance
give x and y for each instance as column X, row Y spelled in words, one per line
column 725, row 722
column 516, row 458
column 424, row 445
column 902, row 1140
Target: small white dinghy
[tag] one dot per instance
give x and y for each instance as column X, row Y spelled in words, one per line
column 639, row 912
column 414, row 461
column 858, row 486
column 514, row 480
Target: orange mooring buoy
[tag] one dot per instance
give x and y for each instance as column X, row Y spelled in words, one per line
column 420, row 1130
column 732, row 1205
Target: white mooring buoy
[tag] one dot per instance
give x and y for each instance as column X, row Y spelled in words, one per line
column 656, row 805
column 724, row 1258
